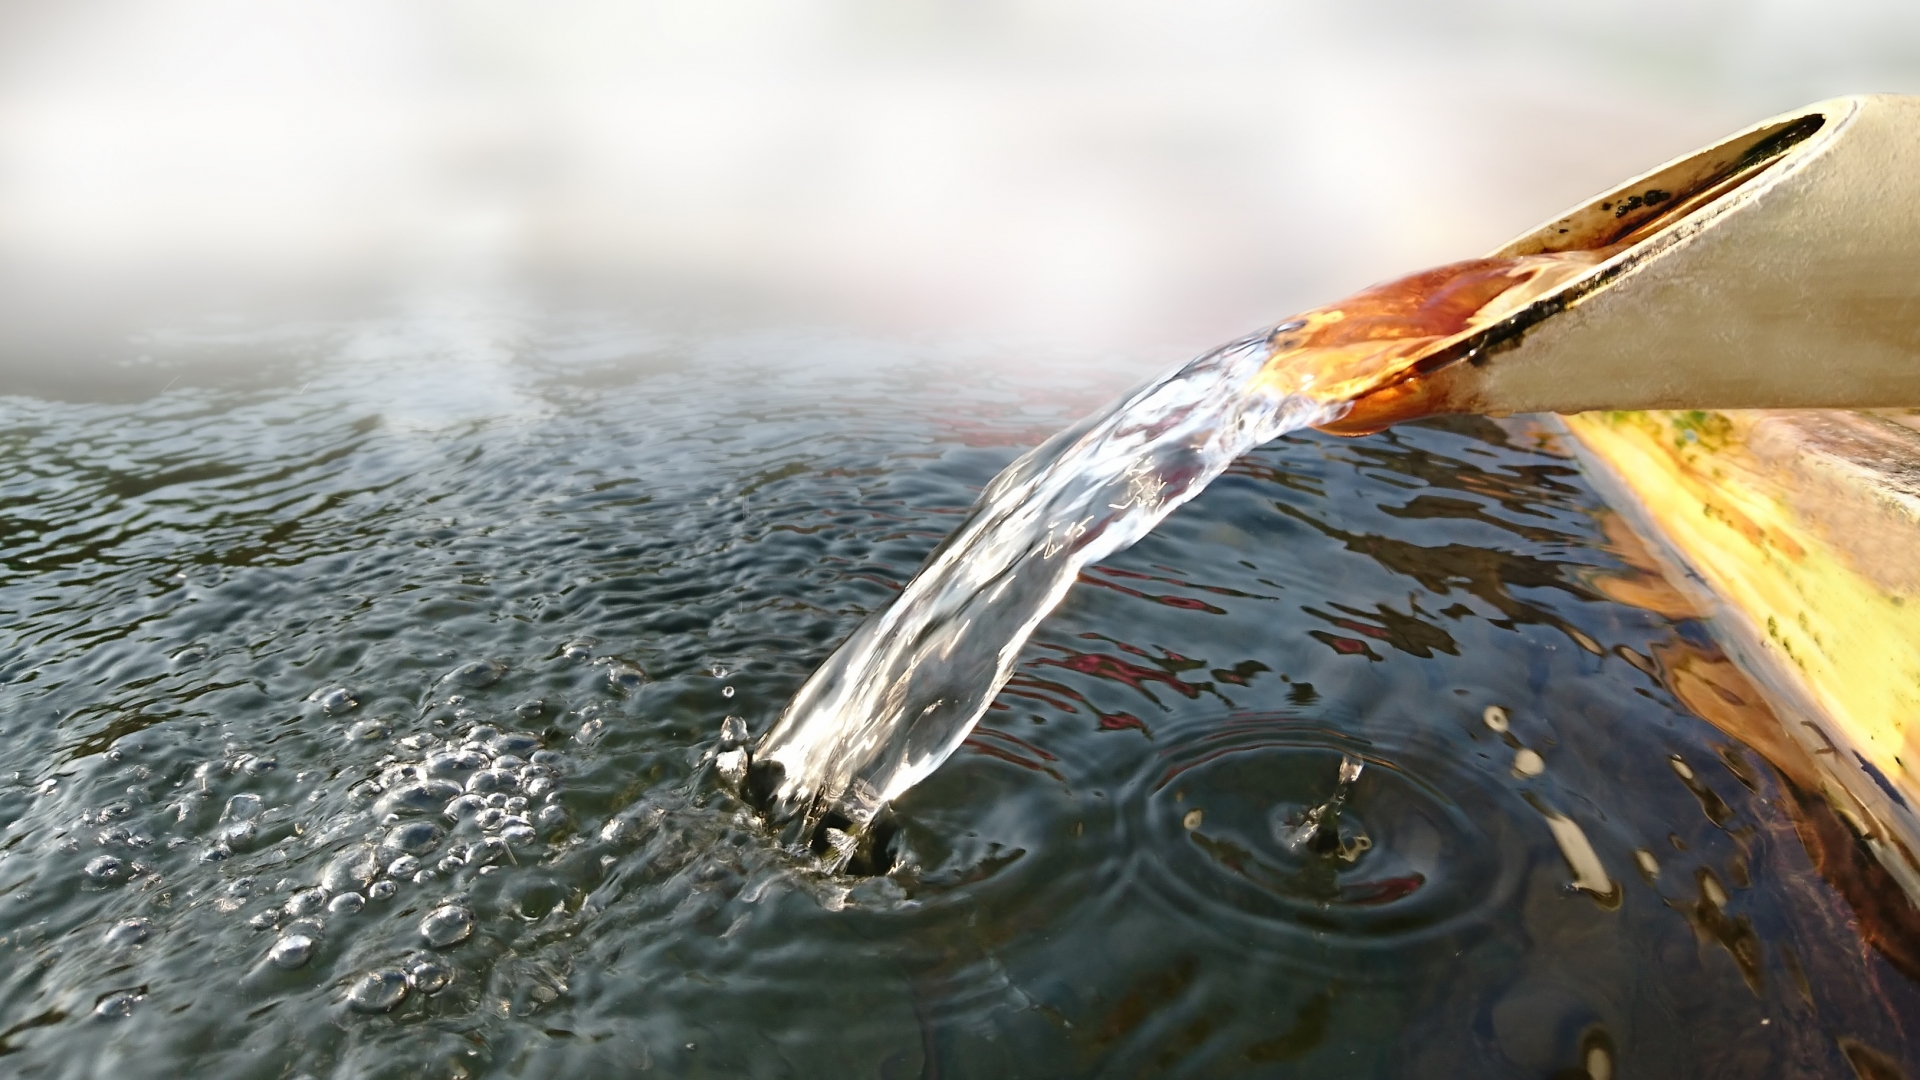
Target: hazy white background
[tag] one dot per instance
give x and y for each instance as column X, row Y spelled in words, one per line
column 1139, row 176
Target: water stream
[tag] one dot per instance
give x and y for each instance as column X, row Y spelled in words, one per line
column 903, row 691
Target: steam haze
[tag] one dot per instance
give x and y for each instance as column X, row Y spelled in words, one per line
column 1140, row 178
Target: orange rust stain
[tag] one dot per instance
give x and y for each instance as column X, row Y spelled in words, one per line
column 1368, row 348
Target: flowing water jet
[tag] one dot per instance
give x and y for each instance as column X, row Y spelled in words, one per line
column 903, row 691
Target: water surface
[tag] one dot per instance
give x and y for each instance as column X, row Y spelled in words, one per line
column 264, row 628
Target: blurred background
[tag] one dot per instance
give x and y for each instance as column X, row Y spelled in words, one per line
column 1129, row 178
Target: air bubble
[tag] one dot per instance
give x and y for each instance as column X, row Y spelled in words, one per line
column 429, row 977
column 367, row 731
column 347, row 904
column 463, row 807
column 106, row 870
column 488, row 781
column 335, row 699
column 477, row 673
column 455, row 763
column 626, row 678
column 382, row 890
column 403, row 867
column 128, row 933
column 351, row 871
column 579, row 648
column 118, row 1006
column 306, row 902
column 1528, row 763
column 291, row 951
column 1495, row 718
column 517, row 743
column 448, row 924
column 733, row 731
column 517, row 834
column 244, row 807
column 413, row 838
column 491, row 818
column 379, row 990
column 420, row 797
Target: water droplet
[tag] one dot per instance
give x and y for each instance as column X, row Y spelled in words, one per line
column 403, row 867
column 244, row 807
column 726, row 691
column 291, row 951
column 335, row 699
column 448, row 924
column 128, row 932
column 347, row 904
column 1528, row 763
column 106, row 870
column 488, row 781
column 382, row 890
column 118, row 1005
column 1496, row 718
column 413, row 838
column 367, row 731
column 477, row 673
column 1192, row 820
column 379, row 990
column 429, row 977
column 306, row 901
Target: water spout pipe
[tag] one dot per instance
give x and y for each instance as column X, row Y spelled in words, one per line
column 1778, row 268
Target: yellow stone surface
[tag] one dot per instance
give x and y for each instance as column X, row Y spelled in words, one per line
column 1822, row 569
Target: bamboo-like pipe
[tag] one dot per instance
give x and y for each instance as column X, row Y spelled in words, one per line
column 1779, row 268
